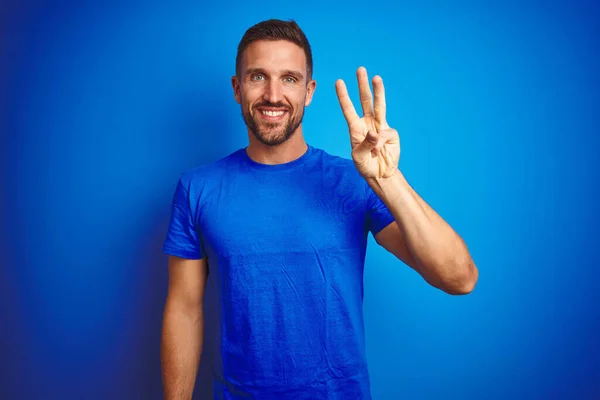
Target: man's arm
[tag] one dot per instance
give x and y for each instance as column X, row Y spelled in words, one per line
column 422, row 239
column 183, row 327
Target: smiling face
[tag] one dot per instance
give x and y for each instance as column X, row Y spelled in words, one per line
column 273, row 88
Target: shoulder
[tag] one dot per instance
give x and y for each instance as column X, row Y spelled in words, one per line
column 339, row 166
column 195, row 178
column 333, row 161
column 341, row 175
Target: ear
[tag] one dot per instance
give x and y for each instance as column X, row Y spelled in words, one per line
column 310, row 90
column 236, row 89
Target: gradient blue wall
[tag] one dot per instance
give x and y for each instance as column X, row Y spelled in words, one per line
column 497, row 105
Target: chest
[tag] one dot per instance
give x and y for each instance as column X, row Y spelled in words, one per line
column 282, row 217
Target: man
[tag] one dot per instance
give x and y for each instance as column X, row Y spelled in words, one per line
column 282, row 227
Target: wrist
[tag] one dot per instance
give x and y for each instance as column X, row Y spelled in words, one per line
column 386, row 185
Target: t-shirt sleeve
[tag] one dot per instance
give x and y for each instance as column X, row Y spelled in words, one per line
column 378, row 215
column 182, row 235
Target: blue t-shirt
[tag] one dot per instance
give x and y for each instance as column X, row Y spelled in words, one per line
column 285, row 246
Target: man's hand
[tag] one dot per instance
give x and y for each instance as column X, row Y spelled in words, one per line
column 375, row 146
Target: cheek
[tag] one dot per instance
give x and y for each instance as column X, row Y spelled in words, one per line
column 298, row 98
column 249, row 98
column 246, row 102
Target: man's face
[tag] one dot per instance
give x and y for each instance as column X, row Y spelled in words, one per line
column 273, row 89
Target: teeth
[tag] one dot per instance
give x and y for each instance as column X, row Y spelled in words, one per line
column 273, row 113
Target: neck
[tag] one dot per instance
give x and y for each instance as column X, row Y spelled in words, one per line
column 290, row 150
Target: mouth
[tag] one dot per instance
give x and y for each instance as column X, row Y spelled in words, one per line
column 272, row 115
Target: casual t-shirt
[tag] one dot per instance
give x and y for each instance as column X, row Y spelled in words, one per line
column 285, row 246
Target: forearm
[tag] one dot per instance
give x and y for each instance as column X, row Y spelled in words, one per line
column 181, row 348
column 440, row 253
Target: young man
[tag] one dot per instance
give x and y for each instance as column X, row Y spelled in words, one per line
column 283, row 227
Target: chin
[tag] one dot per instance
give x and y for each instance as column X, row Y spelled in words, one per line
column 272, row 139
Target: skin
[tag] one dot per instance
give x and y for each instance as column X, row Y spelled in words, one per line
column 183, row 327
column 274, row 78
column 419, row 236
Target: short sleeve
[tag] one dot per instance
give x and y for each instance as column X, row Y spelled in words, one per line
column 378, row 215
column 182, row 235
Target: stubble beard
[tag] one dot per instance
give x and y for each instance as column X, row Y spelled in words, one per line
column 273, row 134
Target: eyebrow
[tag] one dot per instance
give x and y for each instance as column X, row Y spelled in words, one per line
column 295, row 74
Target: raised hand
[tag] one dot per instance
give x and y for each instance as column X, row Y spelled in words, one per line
column 375, row 146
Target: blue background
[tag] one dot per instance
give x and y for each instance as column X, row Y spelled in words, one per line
column 103, row 105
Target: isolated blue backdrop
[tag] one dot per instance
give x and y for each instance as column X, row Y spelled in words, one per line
column 103, row 105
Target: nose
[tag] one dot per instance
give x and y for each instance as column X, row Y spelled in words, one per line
column 273, row 92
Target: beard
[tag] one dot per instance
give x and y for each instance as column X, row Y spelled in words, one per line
column 273, row 134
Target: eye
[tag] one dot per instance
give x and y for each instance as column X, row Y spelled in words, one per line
column 290, row 79
column 257, row 77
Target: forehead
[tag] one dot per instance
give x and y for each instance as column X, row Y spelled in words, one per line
column 274, row 55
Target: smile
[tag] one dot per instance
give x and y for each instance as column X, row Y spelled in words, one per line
column 272, row 113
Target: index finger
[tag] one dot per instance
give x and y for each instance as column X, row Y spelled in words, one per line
column 345, row 102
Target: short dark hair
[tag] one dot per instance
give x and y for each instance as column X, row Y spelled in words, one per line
column 275, row 29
